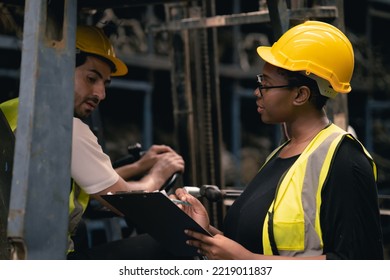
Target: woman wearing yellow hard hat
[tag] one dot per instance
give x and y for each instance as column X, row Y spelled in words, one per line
column 315, row 197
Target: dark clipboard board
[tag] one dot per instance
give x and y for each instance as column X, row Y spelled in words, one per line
column 157, row 215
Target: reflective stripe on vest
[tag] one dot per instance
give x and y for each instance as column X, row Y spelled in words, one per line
column 10, row 110
column 296, row 207
column 78, row 201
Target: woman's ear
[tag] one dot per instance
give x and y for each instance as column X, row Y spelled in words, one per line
column 302, row 95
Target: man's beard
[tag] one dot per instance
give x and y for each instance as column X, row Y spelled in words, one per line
column 86, row 113
column 76, row 115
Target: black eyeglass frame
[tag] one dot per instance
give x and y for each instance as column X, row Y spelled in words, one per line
column 260, row 86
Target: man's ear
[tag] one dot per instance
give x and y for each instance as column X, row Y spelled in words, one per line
column 302, row 95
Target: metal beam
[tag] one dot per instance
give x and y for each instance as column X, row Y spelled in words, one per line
column 242, row 18
column 10, row 42
column 102, row 4
column 38, row 215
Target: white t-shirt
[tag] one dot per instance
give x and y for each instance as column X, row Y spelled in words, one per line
column 90, row 167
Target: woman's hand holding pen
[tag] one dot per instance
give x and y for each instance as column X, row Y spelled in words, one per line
column 195, row 210
column 216, row 247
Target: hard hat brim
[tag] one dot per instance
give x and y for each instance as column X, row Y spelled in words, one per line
column 266, row 54
column 121, row 68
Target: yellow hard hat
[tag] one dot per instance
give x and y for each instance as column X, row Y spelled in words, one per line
column 91, row 39
column 314, row 47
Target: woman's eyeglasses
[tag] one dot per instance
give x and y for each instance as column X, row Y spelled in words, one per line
column 260, row 79
column 261, row 87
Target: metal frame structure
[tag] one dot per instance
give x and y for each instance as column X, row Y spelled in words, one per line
column 43, row 139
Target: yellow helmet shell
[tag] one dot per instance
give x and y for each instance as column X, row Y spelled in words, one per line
column 91, row 39
column 314, row 47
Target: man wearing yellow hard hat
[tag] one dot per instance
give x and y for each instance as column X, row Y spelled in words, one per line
column 316, row 195
column 91, row 169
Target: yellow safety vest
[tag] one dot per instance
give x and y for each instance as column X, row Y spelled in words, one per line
column 292, row 225
column 78, row 199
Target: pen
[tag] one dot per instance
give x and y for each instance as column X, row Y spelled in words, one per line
column 180, row 202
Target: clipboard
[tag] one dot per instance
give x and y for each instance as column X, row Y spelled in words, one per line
column 157, row 215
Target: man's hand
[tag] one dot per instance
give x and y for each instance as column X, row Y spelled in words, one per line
column 150, row 158
column 166, row 165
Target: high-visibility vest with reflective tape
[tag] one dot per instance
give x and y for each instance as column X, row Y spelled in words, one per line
column 295, row 211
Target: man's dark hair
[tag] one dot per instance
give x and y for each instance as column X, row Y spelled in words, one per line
column 81, row 57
